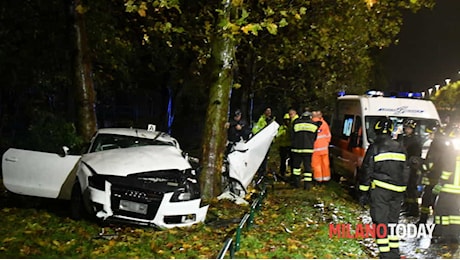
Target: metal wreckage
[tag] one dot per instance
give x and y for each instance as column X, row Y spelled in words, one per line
column 132, row 176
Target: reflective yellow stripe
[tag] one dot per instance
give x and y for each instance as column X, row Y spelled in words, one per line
column 445, row 220
column 425, row 181
column 457, row 173
column 389, row 186
column 363, row 187
column 454, row 220
column 382, row 241
column 384, row 249
column 305, row 127
column 297, row 171
column 437, row 220
column 393, row 244
column 308, row 179
column 411, row 200
column 302, row 150
column 307, row 174
column 390, row 156
column 445, row 175
column 449, row 188
column 425, row 210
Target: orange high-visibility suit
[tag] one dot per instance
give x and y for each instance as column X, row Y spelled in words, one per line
column 320, row 157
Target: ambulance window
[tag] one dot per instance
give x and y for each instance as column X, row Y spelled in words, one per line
column 347, row 126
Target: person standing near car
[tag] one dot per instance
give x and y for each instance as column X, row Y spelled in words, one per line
column 320, row 157
column 238, row 129
column 303, row 136
column 431, row 170
column 265, row 119
column 384, row 178
column 413, row 144
column 283, row 138
column 447, row 205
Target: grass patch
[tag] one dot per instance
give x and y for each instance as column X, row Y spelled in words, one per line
column 291, row 223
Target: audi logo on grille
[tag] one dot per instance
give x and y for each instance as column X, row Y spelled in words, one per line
column 135, row 194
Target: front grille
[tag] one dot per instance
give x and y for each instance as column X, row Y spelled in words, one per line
column 146, row 188
column 151, row 198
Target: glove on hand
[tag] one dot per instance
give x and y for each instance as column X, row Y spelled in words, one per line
column 436, row 189
column 364, row 199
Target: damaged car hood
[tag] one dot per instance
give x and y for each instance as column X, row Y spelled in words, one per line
column 119, row 162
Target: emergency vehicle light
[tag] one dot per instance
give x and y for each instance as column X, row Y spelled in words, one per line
column 410, row 94
column 378, row 93
column 374, row 93
column 341, row 93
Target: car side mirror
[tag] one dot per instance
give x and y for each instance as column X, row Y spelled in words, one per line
column 64, row 151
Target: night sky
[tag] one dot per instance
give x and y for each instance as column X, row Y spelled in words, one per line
column 428, row 51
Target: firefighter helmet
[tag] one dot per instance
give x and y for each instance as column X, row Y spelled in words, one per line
column 286, row 116
column 410, row 123
column 384, row 126
column 433, row 128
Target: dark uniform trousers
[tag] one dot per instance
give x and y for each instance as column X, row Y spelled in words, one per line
column 428, row 199
column 297, row 160
column 447, row 216
column 385, row 207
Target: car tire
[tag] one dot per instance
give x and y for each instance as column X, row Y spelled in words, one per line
column 77, row 207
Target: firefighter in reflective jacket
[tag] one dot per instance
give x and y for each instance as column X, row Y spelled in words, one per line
column 385, row 175
column 447, row 206
column 413, row 145
column 303, row 136
column 431, row 170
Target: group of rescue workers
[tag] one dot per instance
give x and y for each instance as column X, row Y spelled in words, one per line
column 394, row 172
column 303, row 143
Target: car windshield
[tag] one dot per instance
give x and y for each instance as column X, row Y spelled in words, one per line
column 421, row 125
column 105, row 142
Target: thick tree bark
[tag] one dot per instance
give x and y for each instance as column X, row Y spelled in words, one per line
column 86, row 96
column 215, row 133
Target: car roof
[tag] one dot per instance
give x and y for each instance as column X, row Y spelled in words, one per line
column 136, row 132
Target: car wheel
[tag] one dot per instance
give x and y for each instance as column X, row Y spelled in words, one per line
column 77, row 207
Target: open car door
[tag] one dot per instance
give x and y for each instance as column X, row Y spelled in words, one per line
column 248, row 156
column 38, row 174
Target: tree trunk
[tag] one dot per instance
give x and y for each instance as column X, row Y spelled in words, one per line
column 215, row 133
column 86, row 96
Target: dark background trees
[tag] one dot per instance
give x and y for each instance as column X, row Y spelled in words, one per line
column 152, row 62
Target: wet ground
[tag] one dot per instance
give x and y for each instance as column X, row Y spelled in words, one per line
column 415, row 248
column 423, row 248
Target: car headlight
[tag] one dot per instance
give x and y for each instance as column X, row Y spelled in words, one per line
column 97, row 182
column 181, row 195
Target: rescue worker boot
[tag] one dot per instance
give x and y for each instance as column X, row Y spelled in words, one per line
column 423, row 219
column 295, row 181
column 306, row 185
column 412, row 210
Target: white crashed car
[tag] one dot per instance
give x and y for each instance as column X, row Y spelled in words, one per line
column 129, row 175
